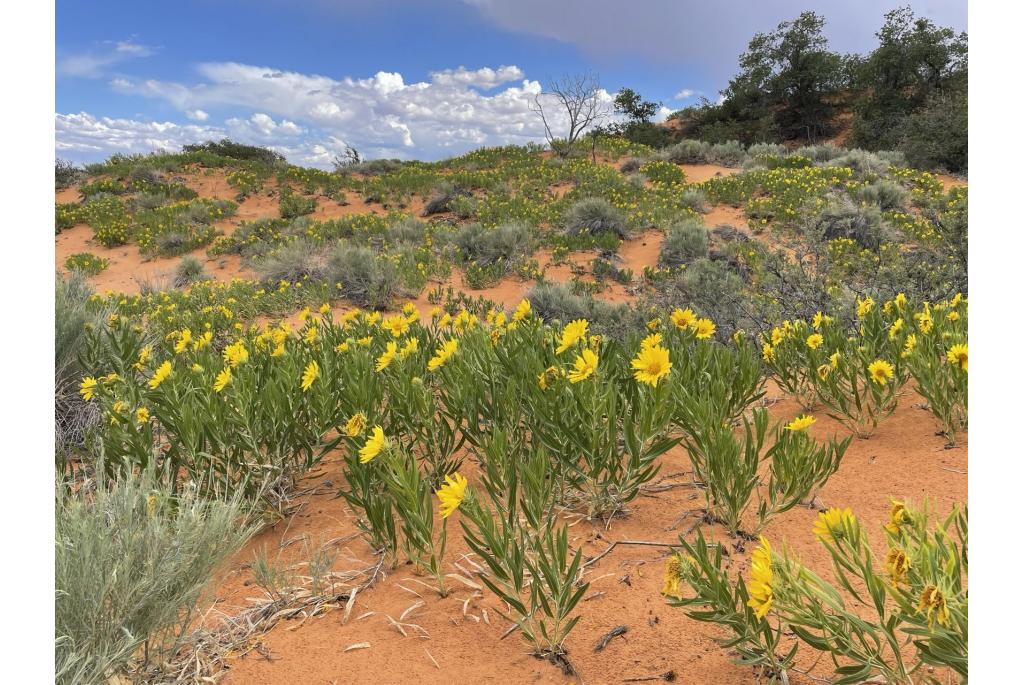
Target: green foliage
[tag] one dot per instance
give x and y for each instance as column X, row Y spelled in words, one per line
column 595, row 216
column 292, row 205
column 188, row 271
column 685, row 241
column 237, row 151
column 368, row 279
column 87, row 263
column 131, row 561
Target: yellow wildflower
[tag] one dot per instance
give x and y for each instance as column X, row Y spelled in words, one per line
column 452, row 493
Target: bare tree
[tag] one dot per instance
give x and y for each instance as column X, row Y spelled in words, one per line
column 350, row 158
column 580, row 97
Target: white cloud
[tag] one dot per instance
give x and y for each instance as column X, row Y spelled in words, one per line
column 456, row 110
column 85, row 133
column 94, row 64
column 193, row 114
column 684, row 94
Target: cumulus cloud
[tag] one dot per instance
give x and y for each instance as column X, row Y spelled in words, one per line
column 94, row 64
column 684, row 94
column 193, row 114
column 381, row 115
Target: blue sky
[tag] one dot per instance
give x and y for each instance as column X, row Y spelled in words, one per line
column 391, row 77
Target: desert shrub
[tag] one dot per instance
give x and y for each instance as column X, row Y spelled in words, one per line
column 711, row 288
column 155, row 283
column 65, row 174
column 555, row 302
column 293, row 262
column 729, row 153
column 595, row 216
column 820, row 153
column 229, row 148
column 862, row 162
column 693, row 198
column 408, row 230
column 375, row 167
column 768, row 150
column 188, row 271
column 180, row 227
column 145, row 175
column 842, row 218
column 131, row 562
column 463, row 206
column 484, row 246
column 292, row 205
column 687, row 152
column 441, row 200
column 365, row 278
column 145, row 201
column 86, row 263
column 631, row 165
column 66, row 215
column 73, row 417
column 685, row 241
column 660, row 171
column 886, row 195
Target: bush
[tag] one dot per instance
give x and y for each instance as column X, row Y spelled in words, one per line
column 660, row 171
column 229, row 148
column 631, row 165
column 87, row 263
column 935, row 137
column 729, row 153
column 364, row 278
column 375, row 167
column 188, row 271
column 862, row 162
column 554, row 301
column 65, row 174
column 293, row 262
column 711, row 288
column 130, row 565
column 695, row 199
column 687, row 152
column 73, row 417
column 443, row 197
column 768, row 150
column 407, row 230
column 595, row 216
column 145, row 175
column 842, row 218
column 820, row 153
column 484, row 246
column 292, row 205
column 886, row 195
column 685, row 241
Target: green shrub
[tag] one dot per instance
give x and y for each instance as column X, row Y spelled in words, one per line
column 712, row 289
column 188, row 271
column 443, row 197
column 685, row 241
column 292, row 262
column 86, row 263
column 509, row 242
column 595, row 216
column 555, row 302
column 363, row 277
column 73, row 417
column 660, row 171
column 131, row 562
column 842, row 218
column 375, row 167
column 729, row 153
column 631, row 165
column 935, row 137
column 233, row 150
column 695, row 199
column 820, row 153
column 687, row 152
column 292, row 205
column 66, row 215
column 886, row 195
column 862, row 162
